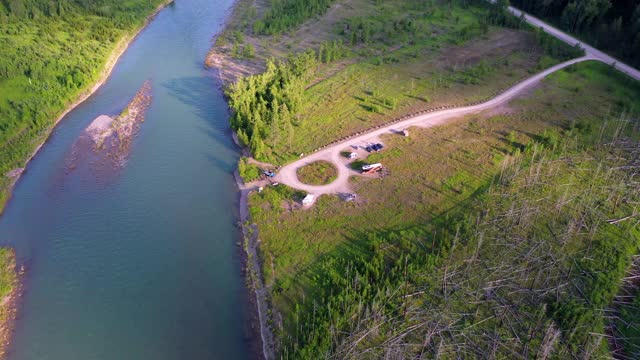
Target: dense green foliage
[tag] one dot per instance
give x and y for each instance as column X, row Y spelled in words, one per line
column 51, row 52
column 385, row 27
column 612, row 25
column 286, row 14
column 264, row 104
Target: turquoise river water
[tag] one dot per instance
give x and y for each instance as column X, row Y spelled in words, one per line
column 140, row 263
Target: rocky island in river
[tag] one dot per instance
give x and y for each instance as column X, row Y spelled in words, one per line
column 107, row 140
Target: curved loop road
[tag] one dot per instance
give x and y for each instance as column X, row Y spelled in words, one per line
column 288, row 174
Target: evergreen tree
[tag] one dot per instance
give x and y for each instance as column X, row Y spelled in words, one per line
column 249, row 51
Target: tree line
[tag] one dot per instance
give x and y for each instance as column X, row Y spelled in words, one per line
column 264, row 105
column 612, row 25
column 287, row 14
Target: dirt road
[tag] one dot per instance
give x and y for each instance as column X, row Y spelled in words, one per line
column 287, row 175
column 590, row 51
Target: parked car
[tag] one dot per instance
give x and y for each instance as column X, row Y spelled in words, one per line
column 350, row 197
column 369, row 148
column 269, row 173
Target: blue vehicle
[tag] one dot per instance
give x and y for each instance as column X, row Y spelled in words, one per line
column 377, row 147
column 269, row 173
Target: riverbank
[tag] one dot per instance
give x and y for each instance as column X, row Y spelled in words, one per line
column 259, row 302
column 11, row 286
column 229, row 68
column 145, row 245
column 110, row 64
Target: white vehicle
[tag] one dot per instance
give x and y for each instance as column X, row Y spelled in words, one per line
column 369, row 167
column 308, row 200
column 352, row 156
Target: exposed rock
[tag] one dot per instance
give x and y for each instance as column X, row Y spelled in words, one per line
column 110, row 137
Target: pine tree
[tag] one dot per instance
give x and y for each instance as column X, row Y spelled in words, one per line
column 242, row 137
column 256, row 145
column 249, row 51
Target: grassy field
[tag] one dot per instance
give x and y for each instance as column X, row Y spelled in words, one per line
column 375, row 61
column 366, row 94
column 441, row 181
column 318, row 173
column 51, row 53
column 249, row 172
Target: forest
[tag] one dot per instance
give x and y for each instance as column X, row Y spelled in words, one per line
column 51, row 52
column 264, row 105
column 610, row 25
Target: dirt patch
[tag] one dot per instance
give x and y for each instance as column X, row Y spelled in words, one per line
column 15, row 173
column 100, row 128
column 309, row 35
column 229, row 68
column 499, row 43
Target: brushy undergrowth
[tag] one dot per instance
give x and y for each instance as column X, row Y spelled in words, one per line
column 499, row 238
column 529, row 267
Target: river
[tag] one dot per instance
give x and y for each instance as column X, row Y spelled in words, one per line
column 142, row 264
